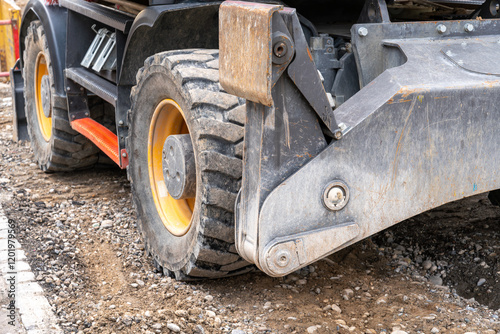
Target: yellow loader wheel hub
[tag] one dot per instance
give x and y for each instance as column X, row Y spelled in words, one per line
column 42, row 97
column 176, row 214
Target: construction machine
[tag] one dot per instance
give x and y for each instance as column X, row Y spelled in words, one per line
column 265, row 133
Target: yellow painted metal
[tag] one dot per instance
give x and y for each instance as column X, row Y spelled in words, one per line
column 8, row 11
column 168, row 119
column 44, row 121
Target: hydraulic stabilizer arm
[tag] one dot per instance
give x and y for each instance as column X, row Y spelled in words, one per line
column 421, row 132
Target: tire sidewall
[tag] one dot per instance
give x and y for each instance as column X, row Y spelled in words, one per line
column 35, row 43
column 172, row 252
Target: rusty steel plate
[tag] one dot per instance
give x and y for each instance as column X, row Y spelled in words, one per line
column 245, row 53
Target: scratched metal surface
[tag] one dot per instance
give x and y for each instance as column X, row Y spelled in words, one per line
column 422, row 134
column 245, row 50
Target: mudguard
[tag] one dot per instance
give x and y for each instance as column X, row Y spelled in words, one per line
column 53, row 19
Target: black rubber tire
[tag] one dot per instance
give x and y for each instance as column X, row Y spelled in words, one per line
column 66, row 150
column 216, row 123
column 494, row 197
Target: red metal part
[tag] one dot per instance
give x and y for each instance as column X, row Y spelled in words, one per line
column 5, row 22
column 15, row 35
column 4, row 74
column 102, row 137
column 124, row 159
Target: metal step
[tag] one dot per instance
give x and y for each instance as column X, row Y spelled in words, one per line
column 113, row 18
column 94, row 83
column 103, row 138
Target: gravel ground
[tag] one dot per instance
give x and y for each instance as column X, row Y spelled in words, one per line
column 436, row 273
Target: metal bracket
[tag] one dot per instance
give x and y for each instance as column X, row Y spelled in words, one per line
column 253, row 59
column 78, row 106
column 411, row 143
column 282, row 256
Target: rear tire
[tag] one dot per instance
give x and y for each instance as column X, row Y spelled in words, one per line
column 204, row 245
column 56, row 146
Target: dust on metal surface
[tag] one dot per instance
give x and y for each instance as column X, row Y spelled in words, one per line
column 245, row 50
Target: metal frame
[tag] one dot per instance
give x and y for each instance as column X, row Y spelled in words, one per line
column 420, row 133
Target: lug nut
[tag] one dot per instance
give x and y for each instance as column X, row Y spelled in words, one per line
column 362, row 31
column 468, row 27
column 441, row 28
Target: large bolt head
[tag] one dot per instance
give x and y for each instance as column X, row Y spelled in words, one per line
column 468, row 27
column 441, row 28
column 336, row 196
column 282, row 258
column 362, row 31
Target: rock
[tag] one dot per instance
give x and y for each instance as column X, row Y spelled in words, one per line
column 134, row 285
column 427, row 264
column 327, row 308
column 302, row 281
column 209, row 298
column 210, row 314
column 434, row 330
column 436, row 280
column 127, row 319
column 237, row 331
column 173, row 327
column 107, row 223
column 336, row 309
column 141, row 283
column 157, row 326
column 398, row 332
column 312, row 329
column 481, row 282
column 381, row 300
column 198, row 329
column 181, row 313
column 347, row 294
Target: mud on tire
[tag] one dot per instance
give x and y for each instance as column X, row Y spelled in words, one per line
column 66, row 149
column 216, row 124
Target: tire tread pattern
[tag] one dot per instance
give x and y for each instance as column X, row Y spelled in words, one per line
column 221, row 120
column 65, row 151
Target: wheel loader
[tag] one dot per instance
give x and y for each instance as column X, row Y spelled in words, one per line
column 265, row 134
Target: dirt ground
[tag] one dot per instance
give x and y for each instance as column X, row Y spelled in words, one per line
column 436, row 273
